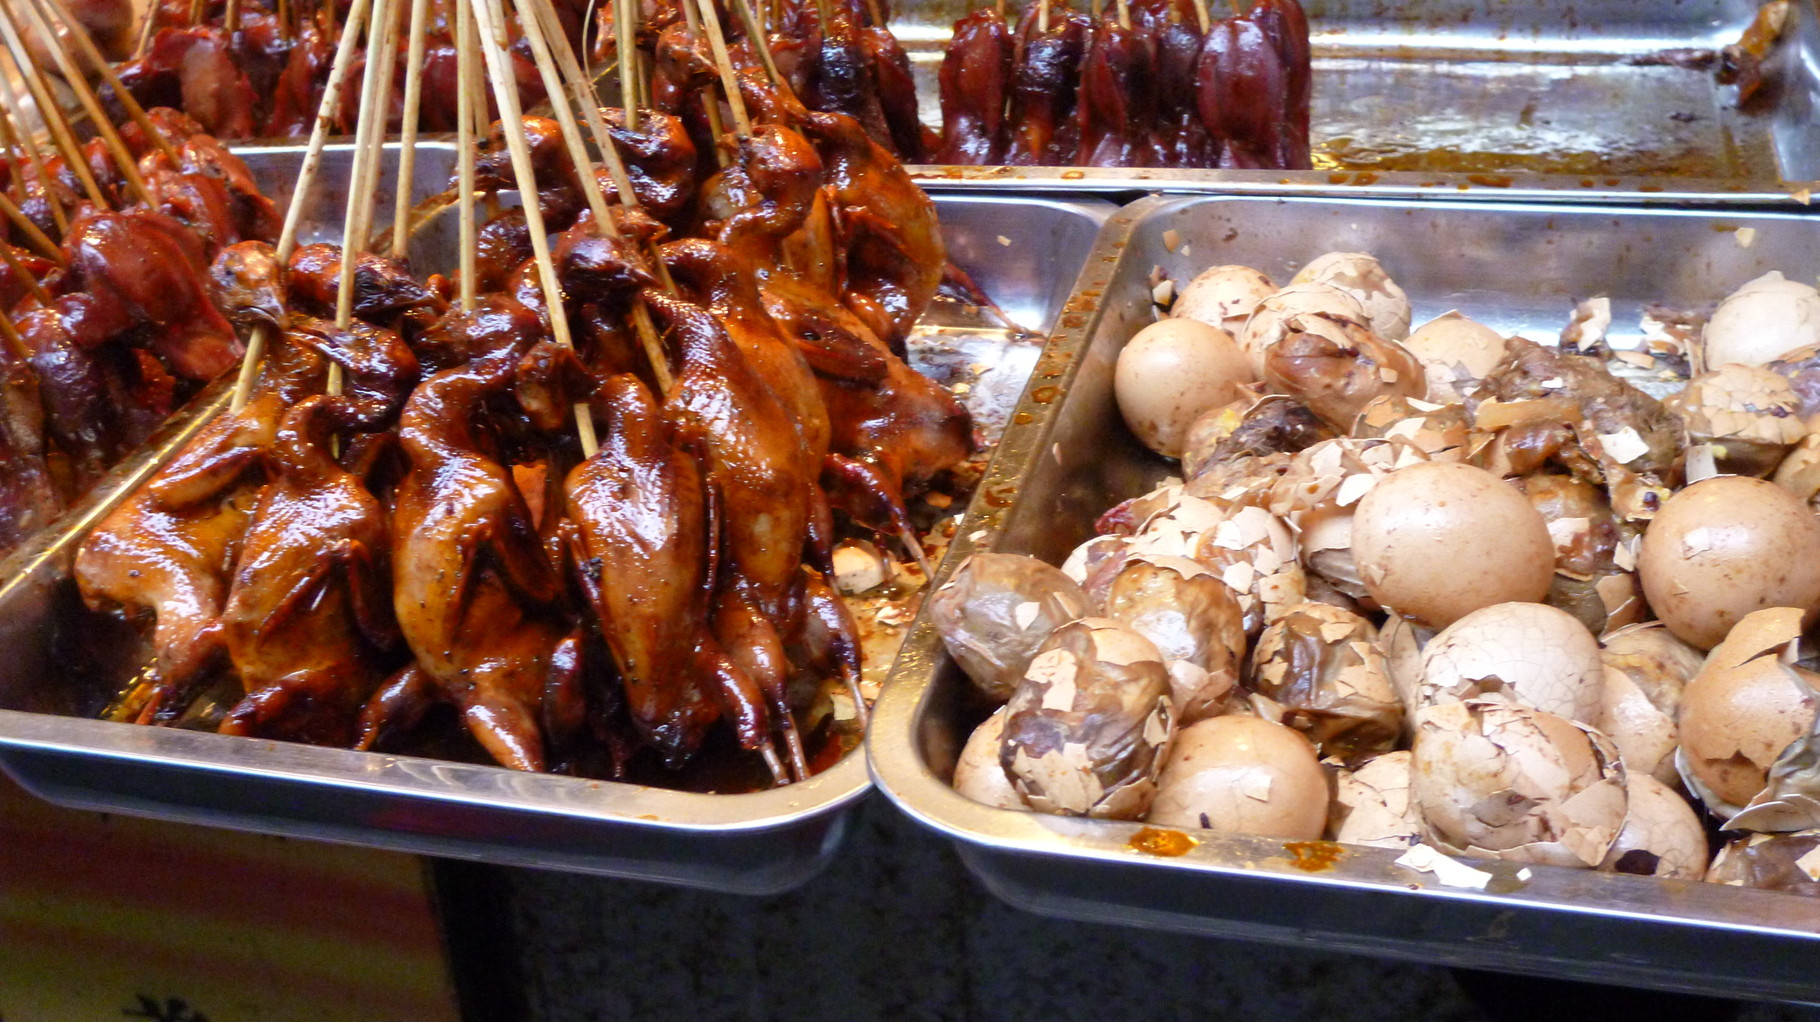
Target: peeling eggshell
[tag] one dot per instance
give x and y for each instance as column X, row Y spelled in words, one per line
column 1772, row 862
column 1363, row 277
column 1725, row 547
column 1662, row 835
column 1090, row 723
column 1172, row 371
column 1371, row 805
column 997, row 610
column 1193, row 619
column 1255, row 554
column 1761, row 321
column 1528, row 653
column 1749, row 415
column 1442, row 432
column 1657, row 662
column 1223, row 296
column 1336, row 366
column 1243, row 775
column 1456, row 353
column 1645, row 736
column 1094, row 563
column 1799, row 471
column 1745, row 707
column 1790, row 799
column 1438, row 540
column 1498, row 780
column 1207, row 432
column 1270, row 321
column 979, row 775
column 1402, row 641
column 1328, row 679
column 1318, row 494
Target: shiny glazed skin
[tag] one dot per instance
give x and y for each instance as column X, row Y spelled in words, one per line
column 472, row 589
column 309, row 610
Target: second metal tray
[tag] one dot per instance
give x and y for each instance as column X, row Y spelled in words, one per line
column 1520, row 269
column 1024, row 252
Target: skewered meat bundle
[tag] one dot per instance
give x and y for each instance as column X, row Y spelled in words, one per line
column 438, row 531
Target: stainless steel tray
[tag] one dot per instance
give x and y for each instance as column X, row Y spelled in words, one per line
column 1556, row 100
column 1068, row 457
column 756, row 843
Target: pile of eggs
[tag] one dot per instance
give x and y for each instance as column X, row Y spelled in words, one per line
column 1435, row 587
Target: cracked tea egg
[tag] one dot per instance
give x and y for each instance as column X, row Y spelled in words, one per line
column 1529, row 653
column 1727, row 546
column 979, row 775
column 1243, row 775
column 1223, row 296
column 1435, row 541
column 1172, row 371
column 1361, row 275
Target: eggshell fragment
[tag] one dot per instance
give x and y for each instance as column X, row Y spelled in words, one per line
column 1363, row 277
column 1223, row 296
column 1318, row 669
column 1171, row 372
column 1456, row 353
column 1195, row 622
column 1498, row 780
column 1662, row 835
column 1645, row 736
column 1529, row 653
column 1772, row 862
column 1436, row 541
column 1748, row 414
column 1371, row 805
column 1725, row 547
column 1735, row 723
column 1246, row 776
column 979, row 775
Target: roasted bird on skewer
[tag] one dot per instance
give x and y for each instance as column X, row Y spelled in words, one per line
column 429, row 537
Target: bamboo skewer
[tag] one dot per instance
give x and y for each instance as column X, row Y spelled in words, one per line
column 369, row 127
column 129, row 168
column 306, row 177
column 407, row 137
column 710, row 106
column 14, row 343
column 230, row 19
column 625, row 45
column 86, row 44
column 1124, row 14
column 505, row 92
column 197, row 9
column 530, row 18
column 39, row 241
column 144, row 41
column 756, row 33
column 464, row 127
column 1201, row 15
column 1042, row 15
column 17, row 130
column 742, row 124
column 48, row 110
column 31, row 282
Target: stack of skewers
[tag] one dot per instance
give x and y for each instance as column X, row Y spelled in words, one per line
column 583, row 494
column 108, row 255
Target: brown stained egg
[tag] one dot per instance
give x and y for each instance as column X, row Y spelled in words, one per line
column 1223, row 296
column 1727, row 546
column 1090, row 724
column 1735, row 723
column 1645, row 736
column 1436, row 541
column 1170, row 373
column 1657, row 662
column 1772, row 862
column 1528, row 653
column 1195, row 622
column 1748, row 414
column 995, row 613
column 1371, row 805
column 1243, row 775
column 979, row 775
column 1762, row 321
column 1662, row 835
column 1336, row 366
column 1318, row 669
column 1456, row 353
column 1498, row 780
column 1270, row 322
column 1362, row 276
column 1206, row 433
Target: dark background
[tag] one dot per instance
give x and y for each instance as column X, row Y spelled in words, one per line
column 897, row 929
